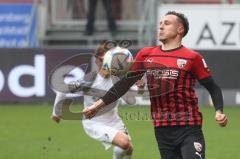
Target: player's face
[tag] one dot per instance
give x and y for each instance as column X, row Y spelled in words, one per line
column 169, row 28
column 99, row 61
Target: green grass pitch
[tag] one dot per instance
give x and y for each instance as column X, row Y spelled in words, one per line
column 26, row 132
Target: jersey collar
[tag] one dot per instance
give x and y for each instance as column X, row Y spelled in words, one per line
column 170, row 49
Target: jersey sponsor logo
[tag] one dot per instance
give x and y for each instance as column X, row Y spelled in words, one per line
column 198, row 146
column 181, row 63
column 163, row 73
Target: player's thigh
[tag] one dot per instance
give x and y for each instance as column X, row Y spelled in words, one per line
column 193, row 147
column 170, row 154
column 99, row 131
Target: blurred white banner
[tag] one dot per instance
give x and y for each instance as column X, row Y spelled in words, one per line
column 211, row 26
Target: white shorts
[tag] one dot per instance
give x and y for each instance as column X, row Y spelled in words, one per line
column 103, row 132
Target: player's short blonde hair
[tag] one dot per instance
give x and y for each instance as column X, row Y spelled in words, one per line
column 99, row 52
column 101, row 49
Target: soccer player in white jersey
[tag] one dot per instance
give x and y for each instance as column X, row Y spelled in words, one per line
column 107, row 127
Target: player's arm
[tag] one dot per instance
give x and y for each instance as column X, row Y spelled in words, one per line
column 85, row 88
column 79, row 85
column 217, row 99
column 84, row 84
column 215, row 92
column 202, row 73
column 140, row 86
column 115, row 92
column 57, row 107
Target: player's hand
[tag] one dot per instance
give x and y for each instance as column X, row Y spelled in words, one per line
column 90, row 112
column 140, row 84
column 221, row 118
column 56, row 119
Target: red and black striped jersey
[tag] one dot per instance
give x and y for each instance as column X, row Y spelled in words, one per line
column 171, row 77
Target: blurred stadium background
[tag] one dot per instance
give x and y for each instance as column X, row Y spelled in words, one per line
column 38, row 35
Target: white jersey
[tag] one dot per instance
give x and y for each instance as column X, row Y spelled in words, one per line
column 109, row 114
column 106, row 123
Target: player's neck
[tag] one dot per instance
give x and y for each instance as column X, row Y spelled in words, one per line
column 171, row 45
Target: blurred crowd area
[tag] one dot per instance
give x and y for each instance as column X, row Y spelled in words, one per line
column 64, row 23
column 122, row 9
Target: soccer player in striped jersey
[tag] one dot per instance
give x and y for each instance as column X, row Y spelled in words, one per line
column 172, row 71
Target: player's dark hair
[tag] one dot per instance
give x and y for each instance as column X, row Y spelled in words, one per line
column 183, row 20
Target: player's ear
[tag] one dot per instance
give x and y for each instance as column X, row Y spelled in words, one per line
column 180, row 29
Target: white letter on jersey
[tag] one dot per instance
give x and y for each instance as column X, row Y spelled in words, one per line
column 204, row 63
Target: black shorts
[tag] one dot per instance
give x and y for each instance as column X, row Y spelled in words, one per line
column 180, row 142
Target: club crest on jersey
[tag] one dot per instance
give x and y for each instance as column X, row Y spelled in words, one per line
column 181, row 63
column 198, row 146
column 149, row 60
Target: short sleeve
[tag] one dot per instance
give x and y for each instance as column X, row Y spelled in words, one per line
column 200, row 68
column 138, row 64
